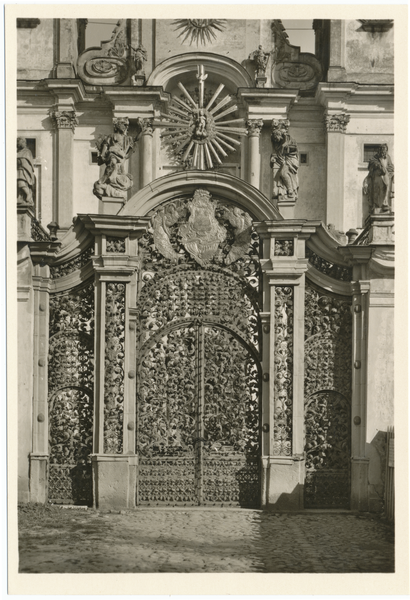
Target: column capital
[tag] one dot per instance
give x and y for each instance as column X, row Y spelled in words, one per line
column 254, row 127
column 65, row 119
column 336, row 122
column 147, row 126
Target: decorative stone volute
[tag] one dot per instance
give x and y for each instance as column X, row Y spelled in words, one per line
column 291, row 68
column 110, row 64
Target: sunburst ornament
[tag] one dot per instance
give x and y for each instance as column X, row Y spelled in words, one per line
column 198, row 132
column 199, row 30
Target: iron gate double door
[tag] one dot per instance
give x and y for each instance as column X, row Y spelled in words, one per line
column 198, row 420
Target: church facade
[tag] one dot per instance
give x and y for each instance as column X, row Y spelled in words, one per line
column 205, row 264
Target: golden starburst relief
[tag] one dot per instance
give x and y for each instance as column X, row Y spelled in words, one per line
column 199, row 30
column 199, row 134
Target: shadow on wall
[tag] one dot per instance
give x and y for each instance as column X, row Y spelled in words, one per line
column 376, row 453
column 287, row 502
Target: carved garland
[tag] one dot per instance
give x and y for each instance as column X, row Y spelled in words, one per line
column 114, row 368
column 114, row 244
column 284, row 248
column 283, row 384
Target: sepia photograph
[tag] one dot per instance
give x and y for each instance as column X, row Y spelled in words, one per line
column 205, row 303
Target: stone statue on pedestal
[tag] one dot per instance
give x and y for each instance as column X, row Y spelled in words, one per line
column 284, row 162
column 26, row 180
column 378, row 185
column 113, row 152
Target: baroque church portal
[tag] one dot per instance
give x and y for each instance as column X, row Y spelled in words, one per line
column 205, row 264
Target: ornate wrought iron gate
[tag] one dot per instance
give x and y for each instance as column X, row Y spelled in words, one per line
column 70, row 400
column 328, row 355
column 197, row 435
column 198, row 420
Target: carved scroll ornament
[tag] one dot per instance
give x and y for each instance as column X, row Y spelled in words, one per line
column 108, row 65
column 293, row 69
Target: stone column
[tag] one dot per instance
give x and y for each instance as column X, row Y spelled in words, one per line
column 254, row 133
column 64, row 122
column 335, row 147
column 282, row 365
column 360, row 463
column 39, row 454
column 146, row 151
column 116, row 266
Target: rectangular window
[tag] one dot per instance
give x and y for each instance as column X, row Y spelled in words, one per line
column 369, row 150
column 31, row 145
column 93, row 157
column 303, row 158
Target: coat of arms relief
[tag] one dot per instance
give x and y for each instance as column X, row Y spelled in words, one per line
column 208, row 230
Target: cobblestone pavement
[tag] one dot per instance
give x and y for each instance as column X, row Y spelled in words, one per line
column 55, row 540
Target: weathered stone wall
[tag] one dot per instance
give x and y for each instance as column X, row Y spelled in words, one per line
column 36, row 50
column 369, row 57
column 238, row 38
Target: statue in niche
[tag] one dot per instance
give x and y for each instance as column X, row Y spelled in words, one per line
column 140, row 56
column 284, row 162
column 378, row 185
column 26, row 179
column 260, row 58
column 113, row 151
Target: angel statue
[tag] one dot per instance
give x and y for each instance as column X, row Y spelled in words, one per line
column 113, row 151
column 284, row 162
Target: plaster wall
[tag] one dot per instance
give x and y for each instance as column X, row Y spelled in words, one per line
column 36, row 52
column 369, row 57
column 238, row 39
column 306, row 127
column 356, row 204
column 380, row 386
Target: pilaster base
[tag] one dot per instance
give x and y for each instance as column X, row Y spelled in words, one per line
column 38, row 478
column 359, row 496
column 110, row 206
column 285, row 483
column 114, row 480
column 287, row 208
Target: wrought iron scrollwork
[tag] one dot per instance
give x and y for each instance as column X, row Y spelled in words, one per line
column 328, row 268
column 76, row 263
column 70, row 385
column 328, row 356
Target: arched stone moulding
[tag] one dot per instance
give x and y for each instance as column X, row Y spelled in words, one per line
column 218, row 184
column 172, row 70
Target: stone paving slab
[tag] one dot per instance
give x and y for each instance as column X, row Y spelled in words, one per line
column 53, row 540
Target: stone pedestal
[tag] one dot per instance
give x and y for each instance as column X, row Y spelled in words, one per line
column 285, row 483
column 114, row 481
column 359, row 493
column 110, row 206
column 287, row 208
column 38, row 477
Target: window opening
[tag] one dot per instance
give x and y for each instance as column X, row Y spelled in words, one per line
column 369, row 150
column 300, row 33
column 99, row 30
